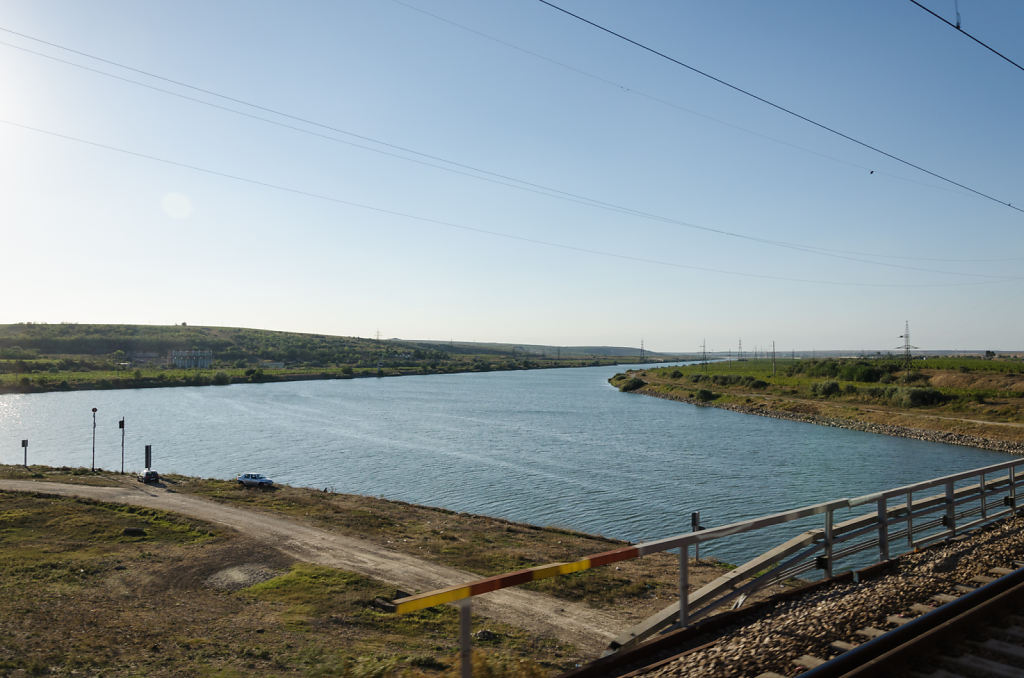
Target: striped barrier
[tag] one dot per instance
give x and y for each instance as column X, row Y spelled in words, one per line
column 501, row 581
column 455, row 593
column 779, row 561
column 684, row 541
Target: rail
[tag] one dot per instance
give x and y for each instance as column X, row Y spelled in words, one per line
column 899, row 517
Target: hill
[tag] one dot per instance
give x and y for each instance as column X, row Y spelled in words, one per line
column 68, row 356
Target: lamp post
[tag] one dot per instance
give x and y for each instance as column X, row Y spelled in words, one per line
column 94, row 439
column 120, row 425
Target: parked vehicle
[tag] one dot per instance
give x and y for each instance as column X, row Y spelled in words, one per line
column 149, row 476
column 254, row 480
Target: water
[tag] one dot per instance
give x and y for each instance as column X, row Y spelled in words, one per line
column 550, row 447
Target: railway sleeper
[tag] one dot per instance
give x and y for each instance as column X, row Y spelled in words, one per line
column 841, row 646
column 1014, row 633
column 870, row 632
column 1011, row 653
column 808, row 661
column 974, row 665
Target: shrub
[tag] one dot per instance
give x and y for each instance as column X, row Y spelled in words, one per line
column 221, row 379
column 825, row 388
column 759, row 384
column 704, row 395
column 676, row 374
column 861, row 371
column 920, row 397
column 632, row 384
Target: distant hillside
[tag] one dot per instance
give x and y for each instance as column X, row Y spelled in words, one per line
column 540, row 350
column 92, row 346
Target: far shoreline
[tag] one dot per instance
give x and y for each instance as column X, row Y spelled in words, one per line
column 226, row 377
column 892, row 430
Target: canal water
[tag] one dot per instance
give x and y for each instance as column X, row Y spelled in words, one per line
column 550, row 447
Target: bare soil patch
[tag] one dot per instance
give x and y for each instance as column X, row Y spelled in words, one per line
column 570, row 619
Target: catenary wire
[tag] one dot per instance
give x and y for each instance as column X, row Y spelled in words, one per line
column 476, row 229
column 670, row 104
column 779, row 107
column 466, row 170
column 492, row 177
column 960, row 30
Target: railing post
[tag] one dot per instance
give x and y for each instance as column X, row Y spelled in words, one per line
column 981, row 487
column 950, row 508
column 466, row 637
column 684, row 585
column 910, row 519
column 883, row 529
column 829, row 538
column 1013, row 488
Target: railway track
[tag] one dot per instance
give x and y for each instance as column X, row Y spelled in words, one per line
column 978, row 633
column 975, row 631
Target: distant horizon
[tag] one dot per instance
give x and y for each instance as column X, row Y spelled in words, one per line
column 747, row 352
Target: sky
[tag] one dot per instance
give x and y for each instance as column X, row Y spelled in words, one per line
column 503, row 171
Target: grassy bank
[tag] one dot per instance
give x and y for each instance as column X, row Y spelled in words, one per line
column 961, row 400
column 104, row 379
column 67, row 356
column 103, row 589
column 113, row 590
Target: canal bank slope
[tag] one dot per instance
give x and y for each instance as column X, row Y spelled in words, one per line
column 413, row 548
column 982, row 411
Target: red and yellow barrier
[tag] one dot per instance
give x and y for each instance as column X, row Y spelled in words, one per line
column 501, row 581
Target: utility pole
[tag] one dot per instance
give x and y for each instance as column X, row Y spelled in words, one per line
column 773, row 357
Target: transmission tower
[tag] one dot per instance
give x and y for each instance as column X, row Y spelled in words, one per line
column 641, row 350
column 906, row 345
column 704, row 354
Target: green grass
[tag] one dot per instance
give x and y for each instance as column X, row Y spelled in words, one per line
column 948, row 395
column 479, row 544
column 60, row 357
column 79, row 595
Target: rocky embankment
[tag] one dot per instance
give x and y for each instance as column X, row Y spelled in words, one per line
column 808, row 625
column 762, row 410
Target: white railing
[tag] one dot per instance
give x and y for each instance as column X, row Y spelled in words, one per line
column 890, row 528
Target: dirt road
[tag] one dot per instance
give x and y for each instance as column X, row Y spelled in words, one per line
column 587, row 628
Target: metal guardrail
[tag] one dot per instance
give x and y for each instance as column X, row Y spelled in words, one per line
column 923, row 520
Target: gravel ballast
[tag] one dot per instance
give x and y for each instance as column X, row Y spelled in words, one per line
column 809, row 624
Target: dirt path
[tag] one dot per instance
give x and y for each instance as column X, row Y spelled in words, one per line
column 587, row 628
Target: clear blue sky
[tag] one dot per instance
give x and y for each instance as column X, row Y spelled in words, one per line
column 365, row 241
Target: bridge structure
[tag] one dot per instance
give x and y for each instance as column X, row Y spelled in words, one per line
column 896, row 520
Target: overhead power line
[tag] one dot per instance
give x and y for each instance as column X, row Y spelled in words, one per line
column 426, row 159
column 956, row 27
column 430, row 160
column 474, row 229
column 779, row 107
